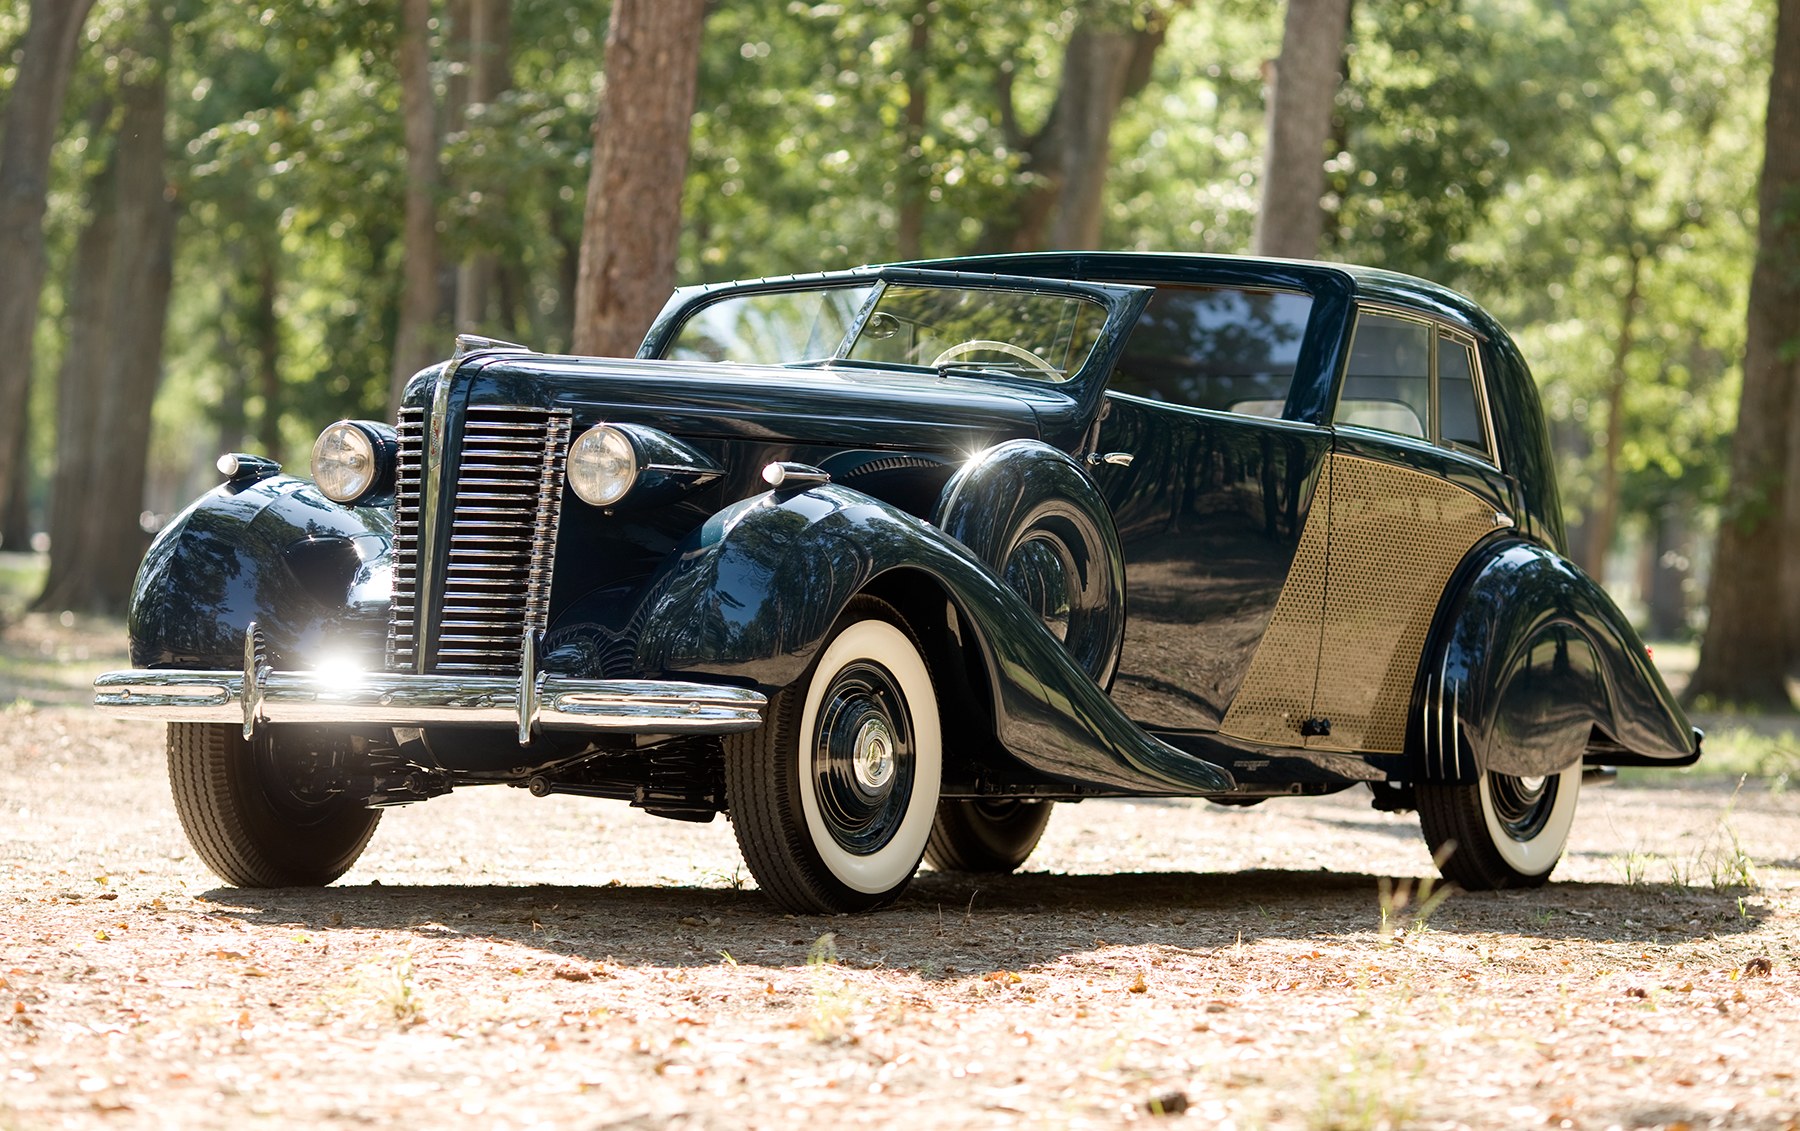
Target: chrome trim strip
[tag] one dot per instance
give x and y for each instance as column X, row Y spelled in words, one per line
column 529, row 689
column 620, row 706
column 256, row 678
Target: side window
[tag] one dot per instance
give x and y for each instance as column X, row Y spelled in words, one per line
column 1215, row 347
column 1388, row 383
column 1414, row 378
column 1459, row 410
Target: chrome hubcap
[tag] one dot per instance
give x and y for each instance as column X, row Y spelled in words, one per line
column 862, row 758
column 873, row 762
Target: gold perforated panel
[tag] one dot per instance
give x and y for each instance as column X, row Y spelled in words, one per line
column 1394, row 538
column 1277, row 692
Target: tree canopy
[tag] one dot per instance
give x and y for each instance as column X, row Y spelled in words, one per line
column 1585, row 168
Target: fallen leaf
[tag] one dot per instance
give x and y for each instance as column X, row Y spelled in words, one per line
column 1169, row 1103
column 1138, row 985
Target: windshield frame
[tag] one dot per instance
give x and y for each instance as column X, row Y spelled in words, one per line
column 1121, row 305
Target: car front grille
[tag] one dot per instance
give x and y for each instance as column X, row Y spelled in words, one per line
column 502, row 499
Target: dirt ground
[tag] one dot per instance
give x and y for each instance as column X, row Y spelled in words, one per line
column 501, row 961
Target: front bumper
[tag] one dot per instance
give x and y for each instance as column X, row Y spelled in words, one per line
column 534, row 700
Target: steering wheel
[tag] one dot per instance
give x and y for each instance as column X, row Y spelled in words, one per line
column 974, row 345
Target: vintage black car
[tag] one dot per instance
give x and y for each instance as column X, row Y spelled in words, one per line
column 884, row 562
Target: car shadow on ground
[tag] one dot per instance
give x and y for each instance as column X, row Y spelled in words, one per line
column 952, row 925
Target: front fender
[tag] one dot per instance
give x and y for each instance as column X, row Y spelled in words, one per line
column 1530, row 658
column 751, row 596
column 313, row 576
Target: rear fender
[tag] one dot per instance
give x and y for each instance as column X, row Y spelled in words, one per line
column 312, row 575
column 1531, row 657
column 751, row 596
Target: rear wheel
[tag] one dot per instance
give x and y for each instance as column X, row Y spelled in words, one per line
column 250, row 819
column 832, row 798
column 1499, row 831
column 988, row 835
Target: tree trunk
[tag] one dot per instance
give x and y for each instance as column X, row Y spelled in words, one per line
column 414, row 347
column 1301, row 88
column 265, row 329
column 15, row 524
column 33, row 108
column 1067, row 160
column 490, row 75
column 1748, row 646
column 232, row 416
column 632, row 230
column 98, row 505
column 915, row 176
column 1602, row 528
column 1665, row 586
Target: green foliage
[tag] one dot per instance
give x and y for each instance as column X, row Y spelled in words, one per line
column 1539, row 154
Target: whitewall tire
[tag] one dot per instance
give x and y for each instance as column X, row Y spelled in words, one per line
column 1499, row 831
column 832, row 800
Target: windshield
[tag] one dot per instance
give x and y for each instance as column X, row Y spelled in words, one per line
column 1044, row 337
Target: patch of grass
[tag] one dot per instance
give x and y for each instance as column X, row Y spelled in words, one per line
column 1395, row 897
column 833, row 1001
column 396, row 993
column 1719, row 861
column 1737, row 750
column 21, row 579
column 1368, row 1088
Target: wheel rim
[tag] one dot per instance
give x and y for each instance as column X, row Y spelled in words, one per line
column 293, row 782
column 1522, row 806
column 1527, row 819
column 863, row 761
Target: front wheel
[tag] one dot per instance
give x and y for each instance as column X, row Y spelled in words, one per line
column 1499, row 831
column 253, row 821
column 832, row 798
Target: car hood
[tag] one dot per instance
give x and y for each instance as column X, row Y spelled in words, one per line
column 867, row 408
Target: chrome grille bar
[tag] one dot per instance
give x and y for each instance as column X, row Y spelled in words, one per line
column 503, row 510
column 403, row 615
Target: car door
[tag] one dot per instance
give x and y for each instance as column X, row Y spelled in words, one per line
column 1414, row 485
column 1210, row 490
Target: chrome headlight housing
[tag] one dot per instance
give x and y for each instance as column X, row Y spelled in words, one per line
column 603, row 465
column 353, row 460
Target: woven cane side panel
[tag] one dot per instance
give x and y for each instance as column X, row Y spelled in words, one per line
column 1277, row 691
column 1396, row 536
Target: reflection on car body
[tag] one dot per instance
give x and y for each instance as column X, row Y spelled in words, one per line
column 883, row 563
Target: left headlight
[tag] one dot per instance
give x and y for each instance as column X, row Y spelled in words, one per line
column 603, row 465
column 353, row 460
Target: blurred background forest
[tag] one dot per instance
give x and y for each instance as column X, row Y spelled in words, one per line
column 226, row 236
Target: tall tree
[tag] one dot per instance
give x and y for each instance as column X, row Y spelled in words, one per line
column 914, row 179
column 1746, row 652
column 632, row 230
column 490, row 55
column 1302, row 83
column 1106, row 62
column 32, row 110
column 125, row 271
column 419, row 292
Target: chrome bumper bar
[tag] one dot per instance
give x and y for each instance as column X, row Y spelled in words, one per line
column 533, row 701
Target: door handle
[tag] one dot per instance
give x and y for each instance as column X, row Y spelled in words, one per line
column 1117, row 459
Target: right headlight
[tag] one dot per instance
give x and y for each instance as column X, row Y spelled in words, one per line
column 353, row 459
column 603, row 465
